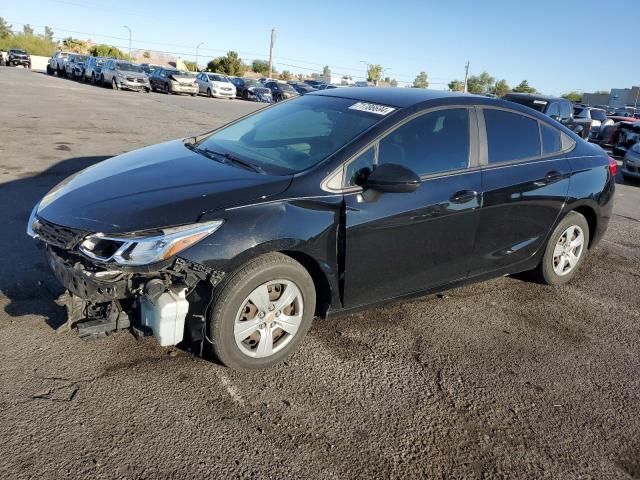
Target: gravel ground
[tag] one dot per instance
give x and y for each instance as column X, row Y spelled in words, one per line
column 500, row 379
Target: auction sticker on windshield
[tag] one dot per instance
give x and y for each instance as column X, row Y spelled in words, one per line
column 372, row 108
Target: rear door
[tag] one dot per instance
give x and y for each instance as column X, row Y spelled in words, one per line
column 525, row 181
column 400, row 243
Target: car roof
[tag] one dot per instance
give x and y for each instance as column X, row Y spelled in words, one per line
column 395, row 97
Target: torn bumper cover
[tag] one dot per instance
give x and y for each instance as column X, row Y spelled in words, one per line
column 102, row 296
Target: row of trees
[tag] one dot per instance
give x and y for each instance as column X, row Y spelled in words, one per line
column 486, row 84
column 26, row 40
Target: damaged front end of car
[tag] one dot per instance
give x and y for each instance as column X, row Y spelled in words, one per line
column 134, row 280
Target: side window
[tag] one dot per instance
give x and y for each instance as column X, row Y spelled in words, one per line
column 434, row 142
column 359, row 169
column 554, row 110
column 510, row 136
column 551, row 141
column 565, row 110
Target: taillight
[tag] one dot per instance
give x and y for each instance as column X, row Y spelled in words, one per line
column 613, row 166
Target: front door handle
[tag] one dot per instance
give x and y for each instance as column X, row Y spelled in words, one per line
column 463, row 196
column 550, row 177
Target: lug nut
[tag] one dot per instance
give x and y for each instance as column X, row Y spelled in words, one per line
column 271, row 307
column 261, row 315
column 278, row 313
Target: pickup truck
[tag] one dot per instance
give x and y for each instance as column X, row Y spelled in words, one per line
column 18, row 57
column 559, row 109
column 57, row 63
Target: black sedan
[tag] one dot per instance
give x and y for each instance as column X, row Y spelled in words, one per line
column 281, row 91
column 232, row 242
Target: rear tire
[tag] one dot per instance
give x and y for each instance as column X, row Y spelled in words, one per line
column 49, row 70
column 565, row 250
column 114, row 84
column 209, row 92
column 237, row 326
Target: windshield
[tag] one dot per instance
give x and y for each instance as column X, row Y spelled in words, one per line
column 600, row 115
column 81, row 58
column 217, row 78
column 18, row 51
column 579, row 112
column 251, row 83
column 129, row 67
column 286, row 86
column 293, row 136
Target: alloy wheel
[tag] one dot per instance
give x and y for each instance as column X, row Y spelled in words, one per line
column 269, row 318
column 568, row 250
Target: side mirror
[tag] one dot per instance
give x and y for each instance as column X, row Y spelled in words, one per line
column 393, row 178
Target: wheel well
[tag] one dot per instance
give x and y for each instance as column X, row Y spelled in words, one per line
column 320, row 282
column 592, row 220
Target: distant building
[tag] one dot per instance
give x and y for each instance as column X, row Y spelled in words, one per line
column 619, row 97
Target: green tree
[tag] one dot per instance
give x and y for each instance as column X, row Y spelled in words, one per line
column 286, row 75
column 456, row 86
column 480, row 84
column 374, row 73
column 48, row 33
column 523, row 87
column 104, row 50
column 27, row 29
column 230, row 64
column 260, row 66
column 326, row 71
column 190, row 66
column 34, row 44
column 421, row 80
column 574, row 96
column 5, row 28
column 146, row 54
column 501, row 88
column 74, row 45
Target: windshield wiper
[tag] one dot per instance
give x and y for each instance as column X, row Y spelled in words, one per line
column 227, row 158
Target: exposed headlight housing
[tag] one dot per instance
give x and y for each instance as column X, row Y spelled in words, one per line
column 144, row 249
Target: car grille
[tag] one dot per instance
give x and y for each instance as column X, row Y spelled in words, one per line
column 140, row 80
column 57, row 235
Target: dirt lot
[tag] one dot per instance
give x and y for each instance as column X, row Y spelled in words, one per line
column 500, row 379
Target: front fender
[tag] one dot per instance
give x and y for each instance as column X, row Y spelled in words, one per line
column 307, row 226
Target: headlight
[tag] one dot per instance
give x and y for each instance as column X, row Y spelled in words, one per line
column 141, row 249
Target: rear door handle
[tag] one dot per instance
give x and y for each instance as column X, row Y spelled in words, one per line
column 463, row 196
column 550, row 177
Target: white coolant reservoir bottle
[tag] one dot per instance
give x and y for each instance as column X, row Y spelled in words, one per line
column 165, row 316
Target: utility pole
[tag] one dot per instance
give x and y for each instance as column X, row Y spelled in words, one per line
column 197, row 47
column 466, row 75
column 366, row 73
column 273, row 39
column 130, row 59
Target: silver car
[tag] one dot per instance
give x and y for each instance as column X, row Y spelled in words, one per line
column 124, row 75
column 215, row 85
column 631, row 163
column 93, row 68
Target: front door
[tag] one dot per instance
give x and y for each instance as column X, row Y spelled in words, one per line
column 399, row 243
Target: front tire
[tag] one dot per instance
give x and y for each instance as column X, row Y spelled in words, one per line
column 261, row 312
column 565, row 250
column 114, row 85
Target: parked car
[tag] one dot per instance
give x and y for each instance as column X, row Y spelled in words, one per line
column 631, row 162
column 17, row 56
column 626, row 135
column 74, row 66
column 313, row 83
column 232, row 242
column 281, row 91
column 597, row 116
column 559, row 109
column 215, row 85
column 149, row 68
column 303, row 88
column 625, row 111
column 93, row 69
column 251, row 89
column 608, row 135
column 56, row 63
column 120, row 74
column 171, row 80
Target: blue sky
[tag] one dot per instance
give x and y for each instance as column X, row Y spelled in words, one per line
column 557, row 45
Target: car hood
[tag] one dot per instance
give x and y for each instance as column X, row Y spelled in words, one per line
column 129, row 74
column 159, row 186
column 223, row 84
